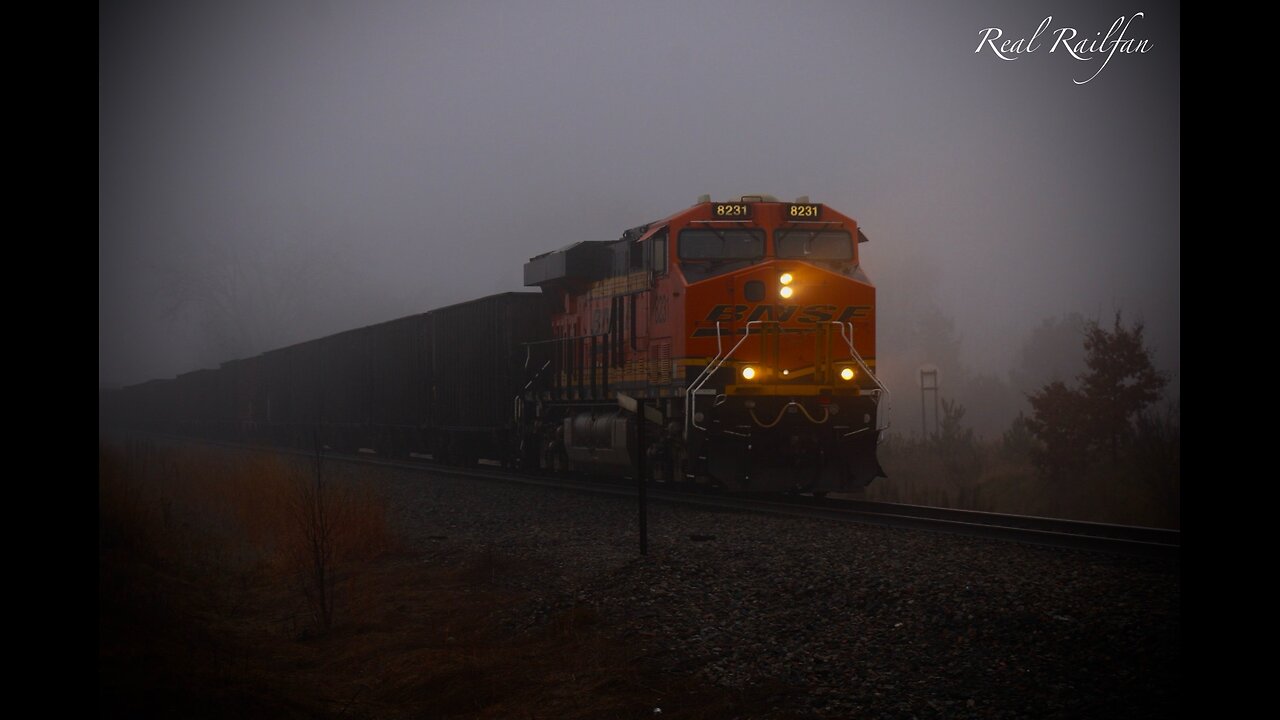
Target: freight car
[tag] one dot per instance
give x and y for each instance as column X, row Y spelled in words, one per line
column 745, row 328
column 439, row 384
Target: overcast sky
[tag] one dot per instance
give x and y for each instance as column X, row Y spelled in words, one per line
column 273, row 171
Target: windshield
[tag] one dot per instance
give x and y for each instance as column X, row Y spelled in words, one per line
column 814, row 244
column 712, row 244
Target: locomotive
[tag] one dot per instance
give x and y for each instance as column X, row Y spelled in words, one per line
column 740, row 335
column 747, row 329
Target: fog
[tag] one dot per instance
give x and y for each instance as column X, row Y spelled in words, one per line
column 274, row 171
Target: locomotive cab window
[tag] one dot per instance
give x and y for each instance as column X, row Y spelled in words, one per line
column 804, row 244
column 712, row 244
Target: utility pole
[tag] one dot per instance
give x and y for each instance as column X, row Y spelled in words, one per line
column 928, row 384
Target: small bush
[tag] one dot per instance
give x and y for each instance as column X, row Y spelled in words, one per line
column 956, row 446
column 1018, row 442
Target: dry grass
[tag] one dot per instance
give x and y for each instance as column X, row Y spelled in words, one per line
column 201, row 512
column 1126, row 494
column 201, row 613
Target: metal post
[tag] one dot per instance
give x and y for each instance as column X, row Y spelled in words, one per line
column 928, row 383
column 640, row 484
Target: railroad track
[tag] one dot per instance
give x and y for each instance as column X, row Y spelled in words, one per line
column 1054, row 532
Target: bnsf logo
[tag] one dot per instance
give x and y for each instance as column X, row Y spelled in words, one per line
column 782, row 313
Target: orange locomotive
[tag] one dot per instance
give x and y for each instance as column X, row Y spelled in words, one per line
column 746, row 327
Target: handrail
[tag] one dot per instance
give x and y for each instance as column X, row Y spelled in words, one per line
column 883, row 391
column 562, row 339
column 718, row 362
column 846, row 333
column 698, row 382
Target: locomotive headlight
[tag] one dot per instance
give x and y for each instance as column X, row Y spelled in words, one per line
column 748, row 372
column 847, row 373
column 785, row 278
column 787, row 291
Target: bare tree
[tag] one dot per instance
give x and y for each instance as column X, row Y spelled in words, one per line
column 246, row 296
column 315, row 514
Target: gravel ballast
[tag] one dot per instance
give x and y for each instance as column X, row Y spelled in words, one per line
column 845, row 620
